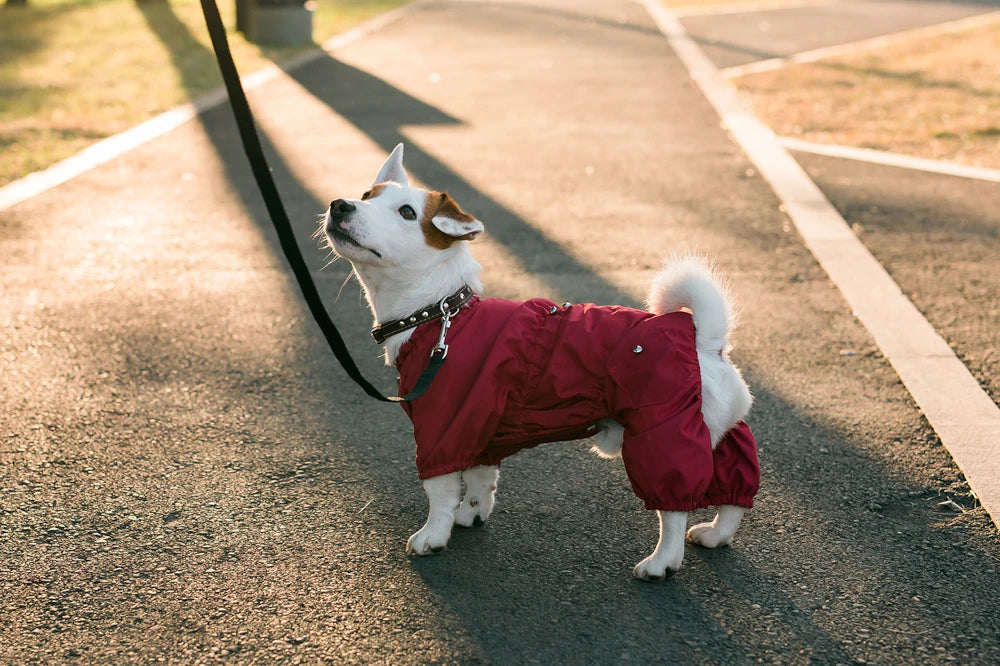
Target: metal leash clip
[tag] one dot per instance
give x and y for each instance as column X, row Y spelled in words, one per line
column 441, row 348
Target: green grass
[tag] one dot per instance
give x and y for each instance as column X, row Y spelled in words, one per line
column 74, row 72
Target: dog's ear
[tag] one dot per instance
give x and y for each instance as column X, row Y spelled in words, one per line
column 452, row 221
column 392, row 171
column 458, row 229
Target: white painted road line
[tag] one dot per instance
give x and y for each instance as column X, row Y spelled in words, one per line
column 964, row 417
column 863, row 45
column 107, row 149
column 103, row 151
column 891, row 159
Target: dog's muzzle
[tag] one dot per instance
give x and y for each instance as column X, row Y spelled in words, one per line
column 339, row 211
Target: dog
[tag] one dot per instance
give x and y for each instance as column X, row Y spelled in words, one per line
column 655, row 387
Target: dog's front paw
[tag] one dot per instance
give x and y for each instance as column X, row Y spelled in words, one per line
column 474, row 511
column 654, row 569
column 709, row 535
column 427, row 541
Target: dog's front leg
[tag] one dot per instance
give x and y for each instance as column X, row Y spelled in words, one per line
column 480, row 489
column 669, row 554
column 444, row 493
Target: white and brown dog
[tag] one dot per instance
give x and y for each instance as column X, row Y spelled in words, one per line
column 656, row 388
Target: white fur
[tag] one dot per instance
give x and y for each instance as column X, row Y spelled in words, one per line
column 668, row 556
column 720, row 531
column 443, row 495
column 480, row 488
column 609, row 439
column 392, row 170
column 401, row 272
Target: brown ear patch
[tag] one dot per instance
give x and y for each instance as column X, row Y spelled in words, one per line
column 441, row 204
column 373, row 192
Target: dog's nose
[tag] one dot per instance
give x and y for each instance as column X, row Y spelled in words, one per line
column 340, row 208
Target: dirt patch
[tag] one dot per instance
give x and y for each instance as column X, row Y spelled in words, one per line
column 936, row 97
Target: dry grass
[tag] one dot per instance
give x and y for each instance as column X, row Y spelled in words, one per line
column 937, row 97
column 73, row 72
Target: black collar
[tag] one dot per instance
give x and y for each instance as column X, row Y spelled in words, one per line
column 423, row 315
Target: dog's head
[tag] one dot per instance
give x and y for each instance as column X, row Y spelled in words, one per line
column 393, row 224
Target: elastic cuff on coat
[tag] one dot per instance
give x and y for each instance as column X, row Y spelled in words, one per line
column 441, row 470
column 672, row 506
column 745, row 501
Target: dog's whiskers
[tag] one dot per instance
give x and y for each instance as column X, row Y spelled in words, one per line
column 331, row 258
column 320, row 226
column 346, row 280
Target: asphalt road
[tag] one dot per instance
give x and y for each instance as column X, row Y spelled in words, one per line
column 186, row 475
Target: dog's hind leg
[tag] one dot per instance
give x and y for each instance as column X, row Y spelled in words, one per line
column 669, row 554
column 735, row 481
column 480, row 488
column 443, row 493
column 720, row 531
column 609, row 438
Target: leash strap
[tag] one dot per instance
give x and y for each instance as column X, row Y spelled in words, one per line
column 286, row 237
column 424, row 380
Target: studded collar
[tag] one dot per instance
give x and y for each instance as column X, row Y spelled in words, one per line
column 423, row 315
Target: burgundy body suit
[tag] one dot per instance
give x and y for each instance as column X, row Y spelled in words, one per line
column 521, row 374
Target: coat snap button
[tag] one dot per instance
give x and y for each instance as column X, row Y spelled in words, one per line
column 553, row 310
column 567, row 304
column 637, row 349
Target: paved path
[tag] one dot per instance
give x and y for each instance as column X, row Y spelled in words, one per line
column 184, row 472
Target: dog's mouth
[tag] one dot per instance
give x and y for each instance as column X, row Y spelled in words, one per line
column 338, row 234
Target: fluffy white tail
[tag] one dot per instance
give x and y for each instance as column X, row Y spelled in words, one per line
column 689, row 282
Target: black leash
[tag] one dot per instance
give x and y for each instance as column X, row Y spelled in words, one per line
column 262, row 174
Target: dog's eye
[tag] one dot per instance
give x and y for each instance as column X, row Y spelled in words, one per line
column 408, row 213
column 366, row 195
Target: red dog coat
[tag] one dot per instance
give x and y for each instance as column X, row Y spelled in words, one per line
column 520, row 374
